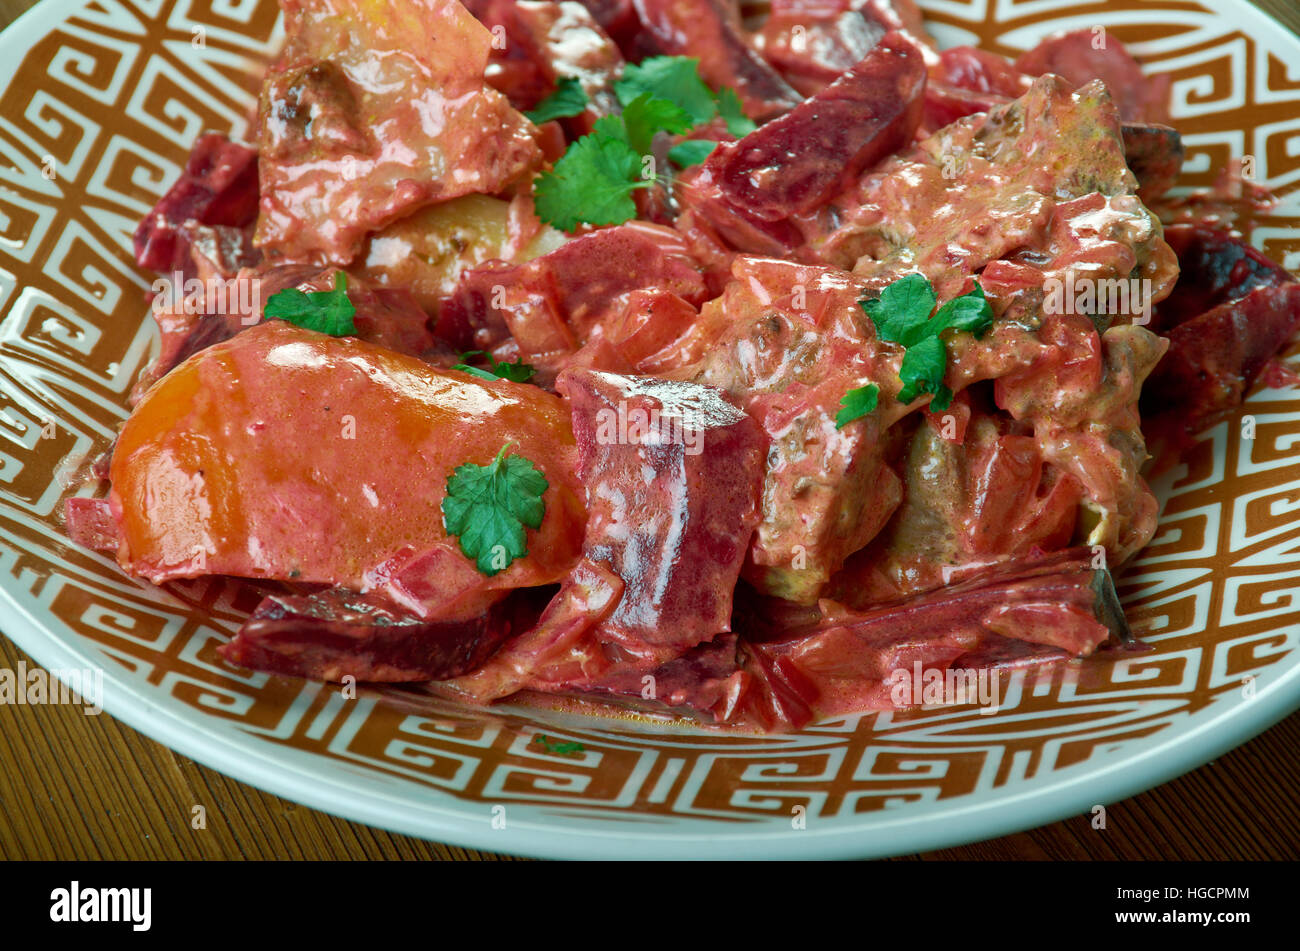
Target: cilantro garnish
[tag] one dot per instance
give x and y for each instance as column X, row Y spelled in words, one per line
column 517, row 372
column 329, row 312
column 488, row 507
column 857, row 403
column 569, row 99
column 729, row 107
column 563, row 748
column 593, row 181
column 641, row 119
column 902, row 315
column 691, row 152
column 672, row 78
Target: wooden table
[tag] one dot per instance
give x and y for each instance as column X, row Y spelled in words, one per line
column 78, row 787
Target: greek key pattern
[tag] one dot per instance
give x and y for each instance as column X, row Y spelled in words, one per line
column 95, row 122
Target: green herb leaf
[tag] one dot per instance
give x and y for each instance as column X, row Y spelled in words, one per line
column 569, row 99
column 517, row 372
column 922, row 369
column 970, row 312
column 903, row 315
column 901, row 312
column 329, row 312
column 857, row 403
column 674, row 78
column 593, row 183
column 942, row 399
column 691, row 152
column 729, row 107
column 562, row 748
column 643, row 117
column 488, row 507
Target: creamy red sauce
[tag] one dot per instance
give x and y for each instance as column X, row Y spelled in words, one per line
column 716, row 543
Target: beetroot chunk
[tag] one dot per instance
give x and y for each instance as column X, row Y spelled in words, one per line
column 673, row 472
column 1231, row 311
column 217, row 187
column 552, row 304
column 1216, row 267
column 1079, row 58
column 336, row 633
column 547, row 42
column 722, row 682
column 1214, row 359
column 796, row 162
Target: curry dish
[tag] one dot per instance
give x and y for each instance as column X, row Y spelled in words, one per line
column 716, row 362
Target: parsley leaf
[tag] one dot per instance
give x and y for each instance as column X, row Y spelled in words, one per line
column 488, row 507
column 517, row 372
column 329, row 312
column 674, row 78
column 641, row 119
column 969, row 312
column 562, row 748
column 592, row 182
column 738, row 124
column 922, row 368
column 569, row 99
column 691, row 152
column 902, row 315
column 901, row 312
column 857, row 403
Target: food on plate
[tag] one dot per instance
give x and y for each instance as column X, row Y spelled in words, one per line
column 642, row 353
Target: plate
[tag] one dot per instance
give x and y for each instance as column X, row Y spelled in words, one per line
column 98, row 104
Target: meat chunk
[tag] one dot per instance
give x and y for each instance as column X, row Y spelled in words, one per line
column 348, row 139
column 972, row 498
column 967, row 80
column 791, row 341
column 1039, row 185
column 1155, row 155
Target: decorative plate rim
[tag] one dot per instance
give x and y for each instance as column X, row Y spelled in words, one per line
column 1105, row 777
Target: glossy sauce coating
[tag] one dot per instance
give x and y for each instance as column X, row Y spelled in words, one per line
column 288, row 454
